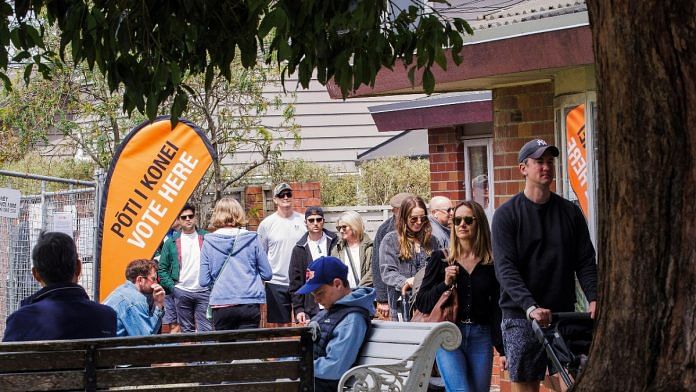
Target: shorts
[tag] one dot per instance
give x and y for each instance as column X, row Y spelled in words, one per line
column 525, row 356
column 169, row 310
column 278, row 303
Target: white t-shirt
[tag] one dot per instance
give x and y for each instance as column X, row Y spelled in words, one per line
column 190, row 263
column 318, row 248
column 355, row 254
column 278, row 235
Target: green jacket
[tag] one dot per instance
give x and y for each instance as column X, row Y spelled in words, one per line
column 170, row 261
column 365, row 258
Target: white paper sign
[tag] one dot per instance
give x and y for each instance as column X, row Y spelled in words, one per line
column 9, row 202
column 63, row 222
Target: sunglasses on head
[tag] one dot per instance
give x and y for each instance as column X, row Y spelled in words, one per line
column 284, row 195
column 457, row 220
column 419, row 219
column 186, row 217
column 315, row 220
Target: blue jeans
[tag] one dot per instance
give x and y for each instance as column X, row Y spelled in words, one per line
column 468, row 368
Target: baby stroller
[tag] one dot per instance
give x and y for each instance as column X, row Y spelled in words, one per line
column 567, row 343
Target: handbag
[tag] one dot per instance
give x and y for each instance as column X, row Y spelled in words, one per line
column 209, row 309
column 446, row 308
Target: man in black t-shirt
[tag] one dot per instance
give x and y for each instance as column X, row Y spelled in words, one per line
column 541, row 243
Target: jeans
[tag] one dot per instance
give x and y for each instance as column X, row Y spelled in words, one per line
column 468, row 368
column 191, row 309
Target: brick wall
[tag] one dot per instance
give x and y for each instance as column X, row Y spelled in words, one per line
column 253, row 203
column 520, row 113
column 446, row 163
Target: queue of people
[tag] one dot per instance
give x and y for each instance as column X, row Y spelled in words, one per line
column 520, row 268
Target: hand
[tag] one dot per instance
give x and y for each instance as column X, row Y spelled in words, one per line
column 158, row 295
column 542, row 316
column 503, row 363
column 302, row 318
column 592, row 309
column 383, row 310
column 451, row 274
column 407, row 285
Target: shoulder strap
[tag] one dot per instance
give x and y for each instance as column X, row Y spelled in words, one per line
column 226, row 260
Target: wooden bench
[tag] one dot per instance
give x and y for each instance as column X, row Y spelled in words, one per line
column 245, row 360
column 399, row 356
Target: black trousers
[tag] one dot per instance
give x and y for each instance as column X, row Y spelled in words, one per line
column 322, row 385
column 237, row 317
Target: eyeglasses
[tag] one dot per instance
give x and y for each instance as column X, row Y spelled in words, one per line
column 186, row 217
column 469, row 220
column 151, row 278
column 419, row 219
column 284, row 195
column 341, row 227
column 315, row 220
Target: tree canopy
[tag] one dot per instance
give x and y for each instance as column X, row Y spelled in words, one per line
column 149, row 47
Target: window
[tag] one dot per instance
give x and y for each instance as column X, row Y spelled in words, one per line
column 478, row 172
column 576, row 121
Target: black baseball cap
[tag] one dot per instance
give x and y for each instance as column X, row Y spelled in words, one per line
column 535, row 149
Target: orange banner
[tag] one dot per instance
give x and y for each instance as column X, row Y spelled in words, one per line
column 577, row 155
column 152, row 175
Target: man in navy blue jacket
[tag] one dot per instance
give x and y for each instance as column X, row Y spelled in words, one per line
column 61, row 309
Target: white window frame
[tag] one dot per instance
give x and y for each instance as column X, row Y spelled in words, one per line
column 561, row 103
column 488, row 143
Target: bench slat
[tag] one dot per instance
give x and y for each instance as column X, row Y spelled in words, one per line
column 389, row 350
column 275, row 386
column 389, row 335
column 108, row 357
column 219, row 336
column 52, row 360
column 42, row 381
column 213, row 373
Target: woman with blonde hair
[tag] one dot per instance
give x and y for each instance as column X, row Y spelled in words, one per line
column 234, row 267
column 406, row 250
column 469, row 269
column 354, row 249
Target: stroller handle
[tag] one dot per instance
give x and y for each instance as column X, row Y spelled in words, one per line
column 570, row 316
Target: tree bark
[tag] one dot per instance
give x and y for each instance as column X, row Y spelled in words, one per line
column 645, row 337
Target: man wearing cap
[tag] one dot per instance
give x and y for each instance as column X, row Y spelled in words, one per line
column 315, row 243
column 278, row 233
column 387, row 226
column 541, row 243
column 343, row 324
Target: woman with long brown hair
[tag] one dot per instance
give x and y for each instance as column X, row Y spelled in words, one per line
column 406, row 250
column 469, row 268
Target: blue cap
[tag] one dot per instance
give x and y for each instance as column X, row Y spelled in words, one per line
column 323, row 271
column 535, row 149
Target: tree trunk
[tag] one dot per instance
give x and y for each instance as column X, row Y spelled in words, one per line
column 645, row 337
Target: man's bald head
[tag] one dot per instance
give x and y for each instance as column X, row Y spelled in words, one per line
column 440, row 207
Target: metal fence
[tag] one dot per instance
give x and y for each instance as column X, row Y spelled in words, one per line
column 44, row 200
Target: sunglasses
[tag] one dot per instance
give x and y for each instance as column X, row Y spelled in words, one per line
column 457, row 220
column 341, row 227
column 151, row 278
column 449, row 210
column 186, row 217
column 284, row 195
column 315, row 220
column 419, row 219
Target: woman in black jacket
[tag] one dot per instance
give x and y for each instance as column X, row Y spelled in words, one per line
column 468, row 367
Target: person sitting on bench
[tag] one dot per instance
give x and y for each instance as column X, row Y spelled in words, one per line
column 343, row 324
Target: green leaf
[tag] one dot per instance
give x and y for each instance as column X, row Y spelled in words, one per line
column 27, row 72
column 178, row 106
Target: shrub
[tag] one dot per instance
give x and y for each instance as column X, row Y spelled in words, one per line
column 382, row 178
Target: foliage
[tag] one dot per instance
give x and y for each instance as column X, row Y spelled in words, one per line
column 149, row 47
column 54, row 167
column 376, row 183
column 381, row 179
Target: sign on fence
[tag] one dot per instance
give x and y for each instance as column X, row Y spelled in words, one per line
column 9, row 202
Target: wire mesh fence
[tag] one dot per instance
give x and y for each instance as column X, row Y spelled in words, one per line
column 46, row 204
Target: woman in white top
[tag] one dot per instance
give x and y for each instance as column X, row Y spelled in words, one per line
column 354, row 249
